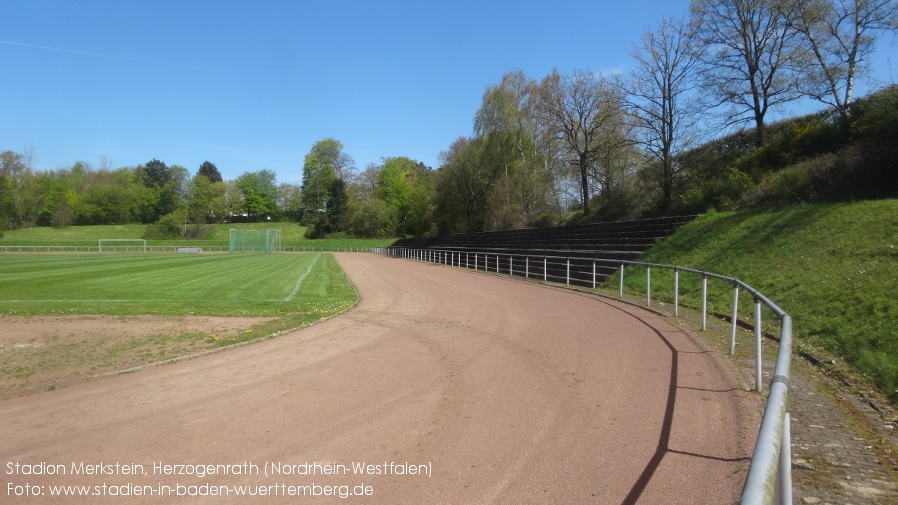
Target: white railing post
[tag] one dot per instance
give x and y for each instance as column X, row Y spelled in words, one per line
column 621, row 296
column 704, row 302
column 568, row 275
column 676, row 292
column 593, row 275
column 526, row 267
column 648, row 286
column 735, row 318
column 757, row 344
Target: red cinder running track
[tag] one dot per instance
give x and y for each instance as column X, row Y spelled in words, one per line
column 450, row 386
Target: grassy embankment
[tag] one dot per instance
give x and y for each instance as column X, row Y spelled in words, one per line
column 832, row 267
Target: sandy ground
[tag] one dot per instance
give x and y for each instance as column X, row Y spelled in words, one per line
column 442, row 386
column 38, row 353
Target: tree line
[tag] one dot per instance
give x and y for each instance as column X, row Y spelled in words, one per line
column 562, row 148
column 587, row 146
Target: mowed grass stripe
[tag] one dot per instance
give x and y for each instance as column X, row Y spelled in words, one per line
column 256, row 284
column 275, row 282
column 152, row 277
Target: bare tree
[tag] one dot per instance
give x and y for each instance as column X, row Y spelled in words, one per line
column 841, row 34
column 661, row 95
column 364, row 186
column 753, row 60
column 581, row 114
column 28, row 156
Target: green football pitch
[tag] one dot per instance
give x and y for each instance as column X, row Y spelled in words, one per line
column 269, row 285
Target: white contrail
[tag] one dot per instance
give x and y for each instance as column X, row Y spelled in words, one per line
column 100, row 55
column 73, row 51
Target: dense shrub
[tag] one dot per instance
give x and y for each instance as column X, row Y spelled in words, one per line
column 806, row 159
column 373, row 219
column 176, row 225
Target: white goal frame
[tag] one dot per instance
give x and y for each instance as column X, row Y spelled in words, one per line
column 268, row 241
column 140, row 248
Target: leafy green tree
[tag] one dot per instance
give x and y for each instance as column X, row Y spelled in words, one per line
column 147, row 203
column 407, row 187
column 420, row 215
column 337, row 204
column 463, row 188
column 373, row 219
column 394, row 187
column 206, row 200
column 289, row 200
column 324, row 163
column 333, row 219
column 7, row 203
column 506, row 122
column 210, row 171
column 159, row 179
column 14, row 171
column 57, row 197
column 259, row 193
column 64, row 215
column 157, row 173
column 105, row 204
column 180, row 180
column 233, row 199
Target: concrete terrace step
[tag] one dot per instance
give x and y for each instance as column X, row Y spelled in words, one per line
column 623, row 240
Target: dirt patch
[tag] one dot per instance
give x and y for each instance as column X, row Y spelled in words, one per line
column 45, row 352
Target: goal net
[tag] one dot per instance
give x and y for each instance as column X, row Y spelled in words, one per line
column 122, row 245
column 266, row 241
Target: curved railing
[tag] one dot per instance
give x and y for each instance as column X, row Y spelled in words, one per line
column 769, row 477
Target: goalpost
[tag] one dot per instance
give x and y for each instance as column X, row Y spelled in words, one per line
column 137, row 244
column 266, row 241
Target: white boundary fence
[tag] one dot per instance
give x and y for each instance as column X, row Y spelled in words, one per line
column 769, row 477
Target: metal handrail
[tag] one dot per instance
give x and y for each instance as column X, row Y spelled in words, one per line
column 769, row 478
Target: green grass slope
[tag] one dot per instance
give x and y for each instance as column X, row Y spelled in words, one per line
column 833, row 268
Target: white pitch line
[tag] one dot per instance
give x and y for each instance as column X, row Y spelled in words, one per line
column 299, row 281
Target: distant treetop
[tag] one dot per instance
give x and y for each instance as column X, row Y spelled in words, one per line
column 211, row 171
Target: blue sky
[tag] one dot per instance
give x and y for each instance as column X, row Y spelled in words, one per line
column 253, row 85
